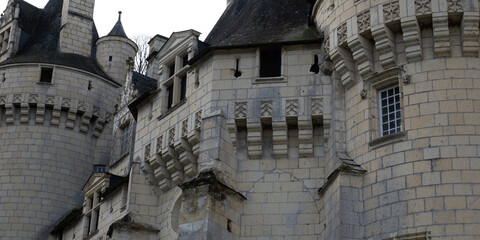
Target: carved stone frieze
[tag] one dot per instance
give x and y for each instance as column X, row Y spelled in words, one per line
column 291, row 107
column 423, row 7
column 185, row 128
column 198, row 119
column 455, row 5
column 266, row 109
column 317, row 106
column 171, row 136
column 363, row 21
column 391, row 11
column 342, row 34
column 240, row 110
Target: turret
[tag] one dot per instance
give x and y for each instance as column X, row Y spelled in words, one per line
column 77, row 27
column 116, row 52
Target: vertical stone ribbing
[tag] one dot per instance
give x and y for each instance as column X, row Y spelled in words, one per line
column 441, row 34
column 412, row 39
column 254, row 140
column 280, row 139
column 385, row 45
column 470, row 32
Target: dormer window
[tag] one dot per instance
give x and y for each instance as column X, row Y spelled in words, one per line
column 172, row 70
column 46, row 75
column 271, row 62
column 185, row 60
column 4, row 38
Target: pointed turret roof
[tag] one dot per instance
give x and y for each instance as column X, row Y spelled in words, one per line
column 117, row 30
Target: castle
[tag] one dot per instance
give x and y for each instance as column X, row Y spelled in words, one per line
column 318, row 119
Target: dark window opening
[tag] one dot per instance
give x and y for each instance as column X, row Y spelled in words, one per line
column 183, row 88
column 110, row 58
column 172, row 70
column 124, row 140
column 46, row 75
column 185, row 60
column 170, row 96
column 270, row 62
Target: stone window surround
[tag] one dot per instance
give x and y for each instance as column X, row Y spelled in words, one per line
column 124, row 135
column 261, row 80
column 42, row 66
column 181, row 70
column 372, row 85
column 4, row 39
column 92, row 203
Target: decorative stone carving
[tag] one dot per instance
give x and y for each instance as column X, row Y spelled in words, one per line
column 185, row 128
column 66, row 103
column 171, row 136
column 96, row 111
column 33, row 99
column 82, row 107
column 391, row 11
column 50, row 100
column 342, row 34
column 317, row 106
column 159, row 144
column 108, row 117
column 198, row 119
column 363, row 21
column 17, row 98
column 241, row 110
column 146, row 155
column 363, row 94
column 266, row 109
column 291, row 107
column 326, row 45
column 423, row 7
column 455, row 5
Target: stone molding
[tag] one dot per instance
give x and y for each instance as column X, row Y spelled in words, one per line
column 40, row 109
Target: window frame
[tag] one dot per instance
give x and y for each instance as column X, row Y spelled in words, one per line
column 268, row 69
column 396, row 94
column 124, row 140
column 373, row 85
column 51, row 74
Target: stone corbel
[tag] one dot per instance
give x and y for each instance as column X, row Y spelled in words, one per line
column 280, row 139
column 305, row 137
column 412, row 39
column 362, row 54
column 441, row 34
column 385, row 45
column 343, row 62
column 254, row 140
column 470, row 32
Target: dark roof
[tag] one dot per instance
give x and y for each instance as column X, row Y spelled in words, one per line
column 114, row 183
column 256, row 22
column 71, row 217
column 40, row 42
column 117, row 30
column 145, row 86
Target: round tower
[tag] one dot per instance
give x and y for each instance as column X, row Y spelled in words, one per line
column 409, row 75
column 56, row 105
column 116, row 52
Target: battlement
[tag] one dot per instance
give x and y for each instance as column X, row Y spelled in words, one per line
column 54, row 111
column 363, row 38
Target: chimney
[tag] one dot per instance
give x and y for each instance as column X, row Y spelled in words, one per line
column 77, row 27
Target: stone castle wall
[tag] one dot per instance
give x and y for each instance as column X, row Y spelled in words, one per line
column 49, row 134
column 422, row 181
column 113, row 53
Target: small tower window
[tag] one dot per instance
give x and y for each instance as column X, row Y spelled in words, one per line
column 46, row 75
column 270, row 62
column 110, row 58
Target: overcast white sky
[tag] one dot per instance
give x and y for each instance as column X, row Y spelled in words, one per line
column 150, row 17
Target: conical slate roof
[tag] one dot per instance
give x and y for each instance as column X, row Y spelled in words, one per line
column 117, row 30
column 41, row 45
